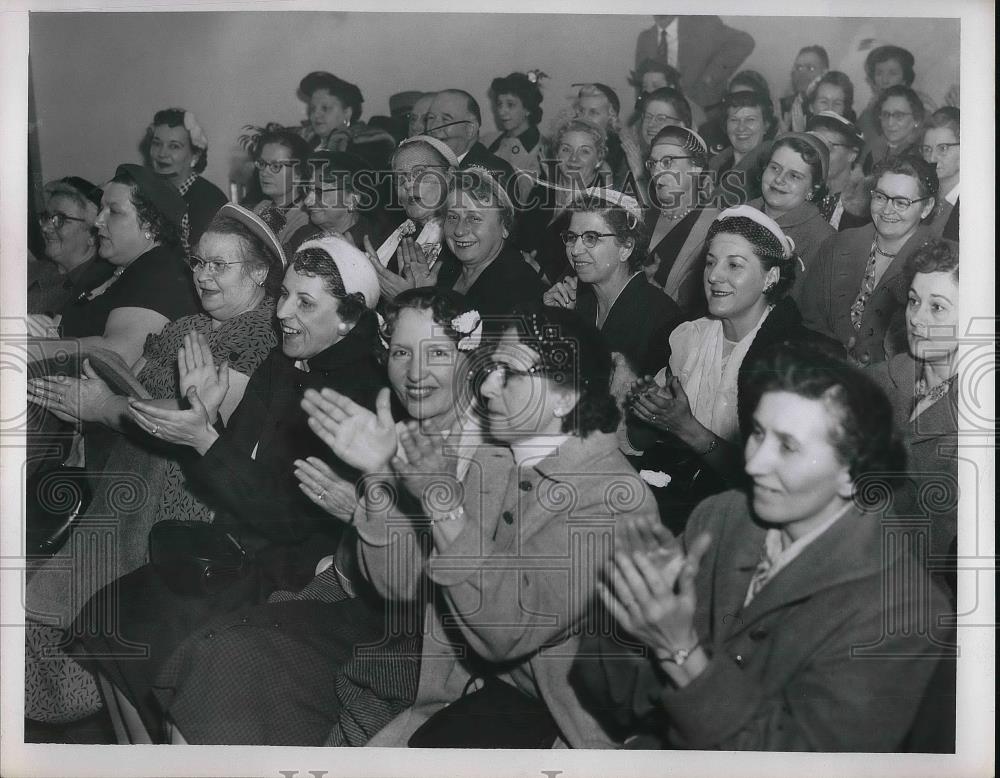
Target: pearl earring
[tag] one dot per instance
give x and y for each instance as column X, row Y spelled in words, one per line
column 558, row 412
column 148, row 235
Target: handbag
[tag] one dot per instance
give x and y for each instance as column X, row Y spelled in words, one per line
column 196, row 558
column 496, row 716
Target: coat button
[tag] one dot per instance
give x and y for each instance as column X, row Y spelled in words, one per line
column 276, row 625
column 871, row 331
column 245, row 620
column 738, row 659
column 758, row 634
column 508, row 517
column 516, row 149
column 210, row 634
column 864, row 358
column 526, row 486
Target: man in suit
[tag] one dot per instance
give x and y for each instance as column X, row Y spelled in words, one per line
column 454, row 117
column 702, row 48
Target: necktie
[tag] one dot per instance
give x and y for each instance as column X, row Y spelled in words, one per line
column 661, row 49
column 867, row 287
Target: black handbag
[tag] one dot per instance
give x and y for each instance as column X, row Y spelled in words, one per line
column 495, row 716
column 196, row 558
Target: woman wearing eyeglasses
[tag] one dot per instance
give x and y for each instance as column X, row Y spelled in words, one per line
column 854, row 291
column 71, row 265
column 900, row 115
column 941, row 148
column 277, row 156
column 605, row 246
column 236, row 269
column 681, row 217
column 664, row 107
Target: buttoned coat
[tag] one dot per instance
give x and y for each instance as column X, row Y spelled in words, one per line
column 826, row 657
column 832, row 283
column 507, row 595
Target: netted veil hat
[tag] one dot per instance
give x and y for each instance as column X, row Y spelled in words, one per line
column 355, row 268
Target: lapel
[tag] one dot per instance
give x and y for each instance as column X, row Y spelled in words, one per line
column 850, row 267
column 850, row 549
column 891, row 276
column 690, row 252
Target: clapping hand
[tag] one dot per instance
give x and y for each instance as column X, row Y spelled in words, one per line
column 197, row 370
column 643, row 533
column 665, row 408
column 390, row 283
column 562, row 294
column 325, row 488
column 360, row 438
column 797, row 114
column 426, row 472
column 86, row 398
column 185, row 427
column 653, row 595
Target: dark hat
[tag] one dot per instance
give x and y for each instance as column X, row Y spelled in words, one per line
column 402, row 102
column 334, row 165
column 836, row 123
column 318, row 79
column 91, row 191
column 164, row 197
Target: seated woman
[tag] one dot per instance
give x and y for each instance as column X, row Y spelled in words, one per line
column 278, row 155
column 681, row 217
column 683, row 421
column 942, row 137
column 833, row 92
column 901, row 116
column 664, row 107
column 321, row 626
column 177, row 150
column 811, row 63
column 714, row 131
column 768, row 631
column 334, row 123
column 245, row 472
column 422, row 168
column 339, row 200
column 853, row 291
column 546, row 400
column 234, row 330
column 517, row 107
column 71, row 265
column 750, row 124
column 793, row 182
column 651, row 75
column 580, row 149
column 846, row 202
column 483, row 264
column 605, row 245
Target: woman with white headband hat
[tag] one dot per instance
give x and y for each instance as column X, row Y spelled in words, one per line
column 244, row 469
column 236, row 269
column 176, row 148
column 686, row 418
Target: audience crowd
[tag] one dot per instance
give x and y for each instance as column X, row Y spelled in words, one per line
column 634, row 434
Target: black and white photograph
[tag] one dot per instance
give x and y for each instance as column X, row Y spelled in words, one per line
column 545, row 389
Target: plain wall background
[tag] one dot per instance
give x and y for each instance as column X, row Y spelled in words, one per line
column 98, row 78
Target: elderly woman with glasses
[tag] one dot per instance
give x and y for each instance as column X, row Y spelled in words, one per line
column 664, row 107
column 71, row 265
column 680, row 218
column 854, row 291
column 236, row 269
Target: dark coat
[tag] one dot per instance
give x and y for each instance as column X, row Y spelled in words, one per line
column 809, row 665
column 506, row 281
column 831, row 285
column 204, row 199
column 708, row 55
column 640, row 313
column 685, row 282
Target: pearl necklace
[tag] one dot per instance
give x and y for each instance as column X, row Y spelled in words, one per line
column 678, row 216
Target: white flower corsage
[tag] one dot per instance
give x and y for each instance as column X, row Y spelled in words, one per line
column 198, row 138
column 470, row 326
column 654, row 477
column 382, row 329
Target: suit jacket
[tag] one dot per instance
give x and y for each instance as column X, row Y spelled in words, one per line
column 685, row 281
column 945, row 221
column 831, row 285
column 709, row 53
column 507, row 595
column 813, row 663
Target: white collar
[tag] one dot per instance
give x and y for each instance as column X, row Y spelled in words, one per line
column 535, row 448
column 952, row 197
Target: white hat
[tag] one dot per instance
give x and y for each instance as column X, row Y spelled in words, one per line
column 355, row 268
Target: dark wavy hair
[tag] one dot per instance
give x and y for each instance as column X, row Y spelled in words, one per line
column 525, row 90
column 627, row 229
column 672, row 97
column 885, row 53
column 347, row 93
column 173, row 117
column 842, row 82
column 911, row 97
column 573, row 355
column 910, row 165
column 254, row 252
column 751, row 78
column 861, row 419
column 937, row 255
column 166, row 232
column 444, row 304
column 317, row 262
column 766, row 248
column 734, row 101
column 297, row 146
